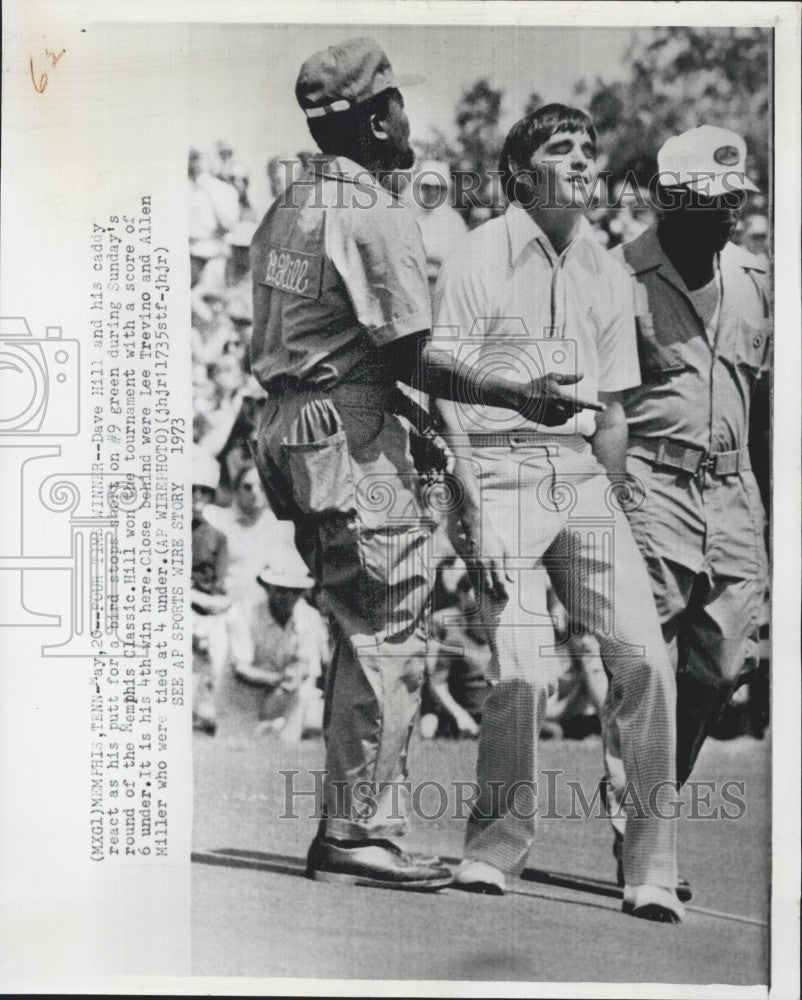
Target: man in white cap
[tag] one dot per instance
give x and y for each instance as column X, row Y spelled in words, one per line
column 291, row 649
column 703, row 322
column 341, row 313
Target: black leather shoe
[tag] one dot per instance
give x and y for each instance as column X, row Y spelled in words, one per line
column 684, row 891
column 380, row 864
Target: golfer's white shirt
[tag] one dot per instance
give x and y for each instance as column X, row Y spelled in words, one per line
column 507, row 301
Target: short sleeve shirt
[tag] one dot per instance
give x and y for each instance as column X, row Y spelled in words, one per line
column 506, row 299
column 249, row 544
column 338, row 272
column 289, row 654
column 697, row 388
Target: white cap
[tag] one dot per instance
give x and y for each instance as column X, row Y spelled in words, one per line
column 706, row 159
column 286, row 568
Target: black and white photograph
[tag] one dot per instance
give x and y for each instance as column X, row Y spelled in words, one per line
column 400, row 448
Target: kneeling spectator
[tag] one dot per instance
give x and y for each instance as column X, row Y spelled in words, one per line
column 458, row 674
column 209, row 596
column 290, row 644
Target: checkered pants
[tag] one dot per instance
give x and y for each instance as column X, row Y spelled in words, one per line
column 553, row 506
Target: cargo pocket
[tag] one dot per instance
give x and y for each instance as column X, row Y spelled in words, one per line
column 656, row 359
column 319, row 462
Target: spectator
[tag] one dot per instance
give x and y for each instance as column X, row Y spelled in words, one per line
column 213, row 210
column 755, row 237
column 286, row 169
column 229, row 382
column 458, row 681
column 252, row 531
column 209, row 596
column 238, row 282
column 291, row 649
column 211, row 327
column 442, row 227
column 201, row 253
column 236, row 452
column 574, row 708
column 240, row 181
column 222, row 160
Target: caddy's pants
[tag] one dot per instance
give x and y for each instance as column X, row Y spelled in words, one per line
column 702, row 540
column 338, row 465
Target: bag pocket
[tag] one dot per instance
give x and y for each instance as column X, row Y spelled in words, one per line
column 656, row 359
column 319, row 463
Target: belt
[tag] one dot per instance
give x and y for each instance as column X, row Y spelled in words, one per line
column 668, row 454
column 523, row 439
column 370, row 394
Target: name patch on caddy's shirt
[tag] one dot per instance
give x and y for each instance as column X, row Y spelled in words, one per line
column 294, row 271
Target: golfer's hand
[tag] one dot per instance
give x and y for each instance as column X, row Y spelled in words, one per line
column 551, row 404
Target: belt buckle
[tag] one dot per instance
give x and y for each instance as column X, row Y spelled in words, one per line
column 707, row 464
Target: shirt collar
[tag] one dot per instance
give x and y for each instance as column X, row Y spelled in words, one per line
column 341, row 168
column 523, row 230
column 645, row 254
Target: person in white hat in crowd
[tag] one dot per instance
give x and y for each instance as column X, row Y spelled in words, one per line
column 209, row 595
column 703, row 318
column 291, row 646
column 442, row 227
column 341, row 314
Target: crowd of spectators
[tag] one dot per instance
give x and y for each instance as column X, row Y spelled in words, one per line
column 256, row 616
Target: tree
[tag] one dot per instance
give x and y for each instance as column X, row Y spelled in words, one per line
column 680, row 77
column 479, row 145
column 533, row 102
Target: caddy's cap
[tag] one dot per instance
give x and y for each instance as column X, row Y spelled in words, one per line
column 706, row 159
column 345, row 74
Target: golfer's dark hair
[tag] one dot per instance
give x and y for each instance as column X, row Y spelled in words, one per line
column 348, row 133
column 531, row 132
